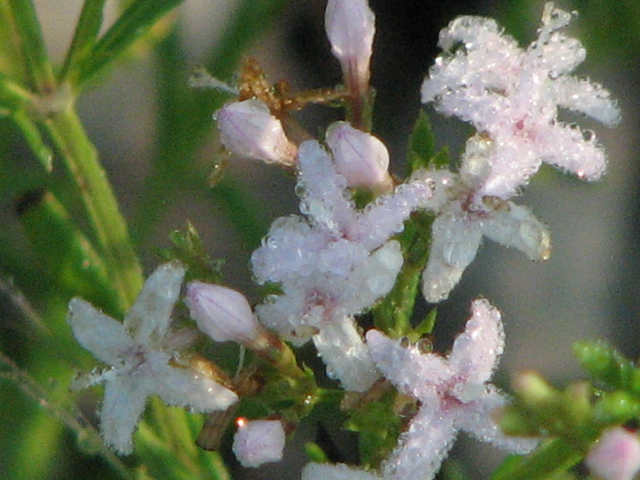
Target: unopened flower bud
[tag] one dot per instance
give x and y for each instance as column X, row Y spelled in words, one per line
column 350, row 26
column 616, row 456
column 223, row 314
column 359, row 156
column 249, row 129
column 258, row 441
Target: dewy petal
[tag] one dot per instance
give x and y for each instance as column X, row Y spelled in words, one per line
column 454, row 243
column 477, row 420
column 346, row 356
column 149, row 317
column 411, row 371
column 586, row 97
column 423, row 447
column 340, row 471
column 183, row 387
column 476, row 351
column 122, row 406
column 100, row 334
column 322, row 190
column 515, row 226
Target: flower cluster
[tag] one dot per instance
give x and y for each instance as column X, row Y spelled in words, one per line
column 339, row 258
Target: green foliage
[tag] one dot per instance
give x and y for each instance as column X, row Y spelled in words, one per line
column 189, row 249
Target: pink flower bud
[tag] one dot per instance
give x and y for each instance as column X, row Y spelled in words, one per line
column 249, row 129
column 222, row 313
column 359, row 157
column 350, row 26
column 616, row 456
column 258, row 441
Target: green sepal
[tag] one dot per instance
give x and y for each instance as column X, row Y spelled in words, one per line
column 422, row 147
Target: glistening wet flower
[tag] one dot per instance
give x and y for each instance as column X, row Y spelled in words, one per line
column 512, row 97
column 454, row 393
column 143, row 358
column 333, row 263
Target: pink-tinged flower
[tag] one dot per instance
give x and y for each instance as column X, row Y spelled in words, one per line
column 616, row 455
column 248, row 129
column 467, row 217
column 359, row 157
column 258, row 441
column 333, row 263
column 223, row 313
column 350, row 26
column 141, row 352
column 340, row 471
column 454, row 393
column 512, row 96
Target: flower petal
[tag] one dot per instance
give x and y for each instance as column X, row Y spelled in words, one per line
column 454, row 244
column 477, row 420
column 123, row 404
column 476, row 351
column 423, row 447
column 346, row 356
column 103, row 336
column 149, row 317
column 340, row 471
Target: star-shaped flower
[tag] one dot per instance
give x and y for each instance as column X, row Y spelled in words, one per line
column 454, row 394
column 467, row 217
column 142, row 354
column 333, row 263
column 512, row 96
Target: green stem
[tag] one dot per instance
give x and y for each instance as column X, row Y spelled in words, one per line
column 108, row 224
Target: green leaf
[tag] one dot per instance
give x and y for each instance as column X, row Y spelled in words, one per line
column 421, row 143
column 85, row 36
column 34, row 52
column 393, row 314
column 34, row 139
column 607, row 366
column 550, row 461
column 132, row 25
column 65, row 252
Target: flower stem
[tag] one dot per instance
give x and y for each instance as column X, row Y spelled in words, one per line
column 109, row 226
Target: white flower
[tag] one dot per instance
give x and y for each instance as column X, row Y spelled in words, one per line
column 325, row 471
column 350, row 26
column 512, row 97
column 248, row 129
column 223, row 313
column 616, row 455
column 141, row 352
column 454, row 394
column 334, row 263
column 359, row 157
column 467, row 216
column 258, row 441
